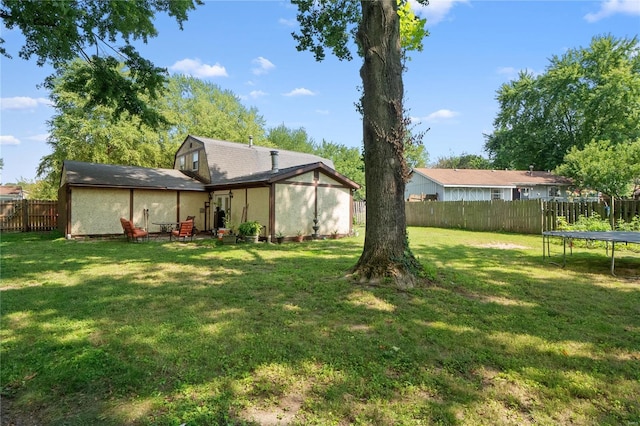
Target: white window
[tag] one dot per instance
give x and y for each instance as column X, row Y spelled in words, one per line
column 181, row 162
column 195, row 161
column 553, row 191
column 496, row 194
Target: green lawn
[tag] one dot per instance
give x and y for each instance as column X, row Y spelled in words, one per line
column 159, row 333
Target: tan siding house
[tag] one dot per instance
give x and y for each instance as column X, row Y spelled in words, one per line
column 283, row 190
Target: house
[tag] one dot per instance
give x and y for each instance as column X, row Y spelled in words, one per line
column 11, row 193
column 283, row 190
column 483, row 185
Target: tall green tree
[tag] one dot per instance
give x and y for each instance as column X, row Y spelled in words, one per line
column 194, row 106
column 375, row 28
column 613, row 169
column 291, row 139
column 586, row 94
column 82, row 133
column 57, row 32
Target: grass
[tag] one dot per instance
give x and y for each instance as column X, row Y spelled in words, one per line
column 113, row 333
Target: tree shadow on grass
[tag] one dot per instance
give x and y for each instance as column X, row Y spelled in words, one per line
column 204, row 335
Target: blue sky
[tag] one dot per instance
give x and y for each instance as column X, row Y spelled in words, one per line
column 246, row 47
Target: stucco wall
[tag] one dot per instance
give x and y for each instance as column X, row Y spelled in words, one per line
column 295, row 207
column 161, row 205
column 258, row 207
column 192, row 204
column 334, row 205
column 98, row 211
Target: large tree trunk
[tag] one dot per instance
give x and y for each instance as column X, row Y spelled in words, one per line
column 386, row 256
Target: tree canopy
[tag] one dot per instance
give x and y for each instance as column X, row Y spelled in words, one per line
column 463, row 161
column 587, row 94
column 613, row 169
column 57, row 32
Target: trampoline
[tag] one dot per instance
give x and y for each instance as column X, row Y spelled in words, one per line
column 612, row 237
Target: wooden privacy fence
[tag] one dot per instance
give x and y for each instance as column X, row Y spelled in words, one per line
column 359, row 212
column 523, row 216
column 28, row 215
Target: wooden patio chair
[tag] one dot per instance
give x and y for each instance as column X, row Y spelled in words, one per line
column 184, row 231
column 131, row 232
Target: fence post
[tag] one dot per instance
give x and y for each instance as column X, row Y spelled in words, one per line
column 25, row 215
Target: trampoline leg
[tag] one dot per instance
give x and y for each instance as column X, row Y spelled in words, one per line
column 613, row 259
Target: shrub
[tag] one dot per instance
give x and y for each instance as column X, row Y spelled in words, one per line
column 249, row 229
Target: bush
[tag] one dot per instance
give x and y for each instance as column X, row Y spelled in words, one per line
column 249, row 229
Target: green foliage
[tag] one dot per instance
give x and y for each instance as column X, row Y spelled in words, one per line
column 58, row 32
column 590, row 223
column 412, row 31
column 194, row 106
column 291, row 139
column 249, row 229
column 463, row 161
column 605, row 167
column 584, row 95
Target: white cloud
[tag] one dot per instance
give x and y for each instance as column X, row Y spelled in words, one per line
column 288, row 22
column 436, row 11
column 301, row 91
column 612, row 7
column 9, row 140
column 257, row 94
column 263, row 65
column 195, row 68
column 23, row 102
column 438, row 116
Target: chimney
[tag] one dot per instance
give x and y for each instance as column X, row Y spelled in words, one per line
column 250, row 141
column 274, row 161
column 531, row 170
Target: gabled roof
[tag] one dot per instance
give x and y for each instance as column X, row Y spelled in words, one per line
column 11, row 190
column 271, row 176
column 79, row 173
column 492, row 178
column 230, row 160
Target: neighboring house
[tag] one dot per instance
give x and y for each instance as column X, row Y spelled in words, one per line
column 482, row 185
column 283, row 190
column 11, row 193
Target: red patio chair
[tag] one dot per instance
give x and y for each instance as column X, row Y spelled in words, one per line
column 184, row 231
column 131, row 232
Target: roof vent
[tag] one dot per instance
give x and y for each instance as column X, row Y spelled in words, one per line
column 250, row 140
column 274, row 161
column 531, row 170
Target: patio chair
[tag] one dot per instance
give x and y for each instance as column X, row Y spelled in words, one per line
column 184, row 231
column 132, row 232
column 193, row 219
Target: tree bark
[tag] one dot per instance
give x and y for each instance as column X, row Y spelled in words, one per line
column 386, row 257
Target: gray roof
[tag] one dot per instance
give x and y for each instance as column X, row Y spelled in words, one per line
column 492, row 178
column 108, row 175
column 271, row 176
column 230, row 160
